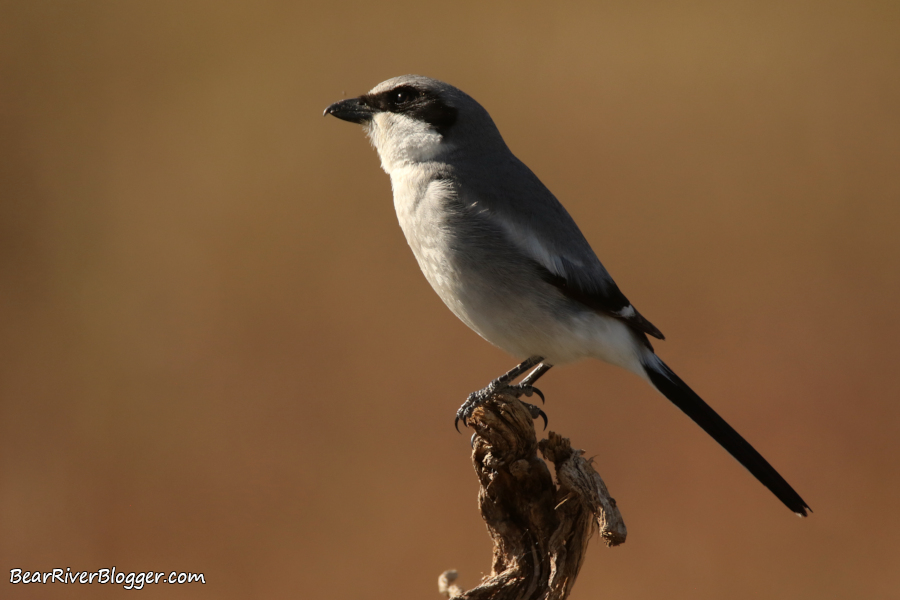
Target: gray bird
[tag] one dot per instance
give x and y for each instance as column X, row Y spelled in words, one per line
column 505, row 256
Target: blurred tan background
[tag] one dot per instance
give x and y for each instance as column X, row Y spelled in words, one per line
column 217, row 353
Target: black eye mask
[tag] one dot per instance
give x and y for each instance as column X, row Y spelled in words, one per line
column 421, row 105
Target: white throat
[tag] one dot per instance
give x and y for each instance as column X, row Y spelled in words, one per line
column 402, row 141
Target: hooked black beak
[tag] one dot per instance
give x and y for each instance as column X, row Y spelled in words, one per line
column 351, row 110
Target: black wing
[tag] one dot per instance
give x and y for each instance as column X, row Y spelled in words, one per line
column 605, row 297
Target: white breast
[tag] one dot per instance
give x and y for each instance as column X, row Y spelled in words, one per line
column 417, row 202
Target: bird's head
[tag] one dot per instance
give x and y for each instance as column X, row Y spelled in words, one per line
column 413, row 119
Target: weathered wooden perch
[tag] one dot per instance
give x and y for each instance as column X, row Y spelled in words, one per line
column 540, row 529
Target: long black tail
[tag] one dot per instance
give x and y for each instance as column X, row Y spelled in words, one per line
column 673, row 388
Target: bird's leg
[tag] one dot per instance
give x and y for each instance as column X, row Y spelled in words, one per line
column 503, row 383
column 526, row 386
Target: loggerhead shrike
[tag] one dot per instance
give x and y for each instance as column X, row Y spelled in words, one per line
column 505, row 256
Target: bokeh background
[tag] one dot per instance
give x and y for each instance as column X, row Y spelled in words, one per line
column 217, row 353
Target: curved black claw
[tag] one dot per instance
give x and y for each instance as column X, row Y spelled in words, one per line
column 465, row 411
column 536, row 412
column 541, row 394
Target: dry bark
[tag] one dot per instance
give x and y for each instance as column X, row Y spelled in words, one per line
column 540, row 529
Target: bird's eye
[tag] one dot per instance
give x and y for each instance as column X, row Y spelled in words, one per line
column 403, row 95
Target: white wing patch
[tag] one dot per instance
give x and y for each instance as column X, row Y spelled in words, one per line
column 627, row 312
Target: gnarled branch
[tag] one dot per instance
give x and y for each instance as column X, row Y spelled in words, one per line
column 540, row 529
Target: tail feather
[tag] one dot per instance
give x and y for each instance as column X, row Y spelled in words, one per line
column 682, row 396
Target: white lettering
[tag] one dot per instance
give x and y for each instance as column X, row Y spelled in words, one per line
column 196, row 577
column 130, row 580
column 139, row 581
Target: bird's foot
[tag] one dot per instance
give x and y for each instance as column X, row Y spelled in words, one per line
column 478, row 398
column 524, row 389
column 474, row 400
column 536, row 412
